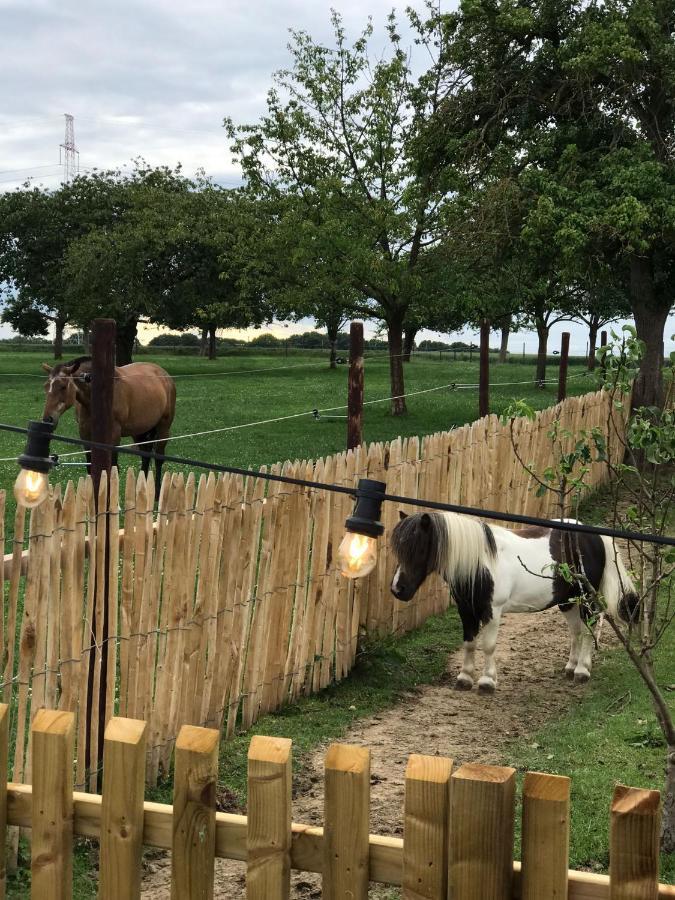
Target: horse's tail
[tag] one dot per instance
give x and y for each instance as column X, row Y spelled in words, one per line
column 616, row 585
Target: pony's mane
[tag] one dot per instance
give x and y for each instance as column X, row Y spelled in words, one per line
column 458, row 546
column 73, row 364
column 469, row 547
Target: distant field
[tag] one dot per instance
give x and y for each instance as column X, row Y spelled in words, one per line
column 240, row 389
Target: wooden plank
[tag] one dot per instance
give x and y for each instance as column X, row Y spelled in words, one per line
column 385, row 859
column 13, row 571
column 194, row 813
column 268, row 875
column 482, row 803
column 127, row 586
column 545, row 836
column 122, row 809
column 4, row 760
column 346, row 817
column 634, row 844
column 425, row 836
column 52, row 807
column 112, row 594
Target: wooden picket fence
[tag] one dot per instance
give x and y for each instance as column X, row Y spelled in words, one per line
column 226, row 602
column 457, row 840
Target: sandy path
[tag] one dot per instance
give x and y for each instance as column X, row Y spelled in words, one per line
column 531, row 654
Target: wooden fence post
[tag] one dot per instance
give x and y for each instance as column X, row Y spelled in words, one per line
column 52, row 805
column 346, row 823
column 268, row 876
column 484, row 376
column 482, row 806
column 103, row 334
column 562, row 371
column 4, row 754
column 545, row 837
column 634, row 844
column 603, row 343
column 194, row 813
column 122, row 809
column 425, row 838
column 355, row 387
column 102, row 386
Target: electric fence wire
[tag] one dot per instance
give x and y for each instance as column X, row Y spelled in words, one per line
column 355, row 492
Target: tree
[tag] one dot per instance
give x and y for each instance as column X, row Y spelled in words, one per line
column 338, row 138
column 581, row 97
column 124, row 264
column 210, row 236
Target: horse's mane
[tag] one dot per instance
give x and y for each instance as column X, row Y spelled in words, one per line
column 458, row 546
column 469, row 546
column 73, row 364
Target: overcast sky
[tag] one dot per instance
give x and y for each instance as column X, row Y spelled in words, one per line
column 153, row 79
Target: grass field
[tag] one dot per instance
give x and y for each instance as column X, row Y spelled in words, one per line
column 232, row 391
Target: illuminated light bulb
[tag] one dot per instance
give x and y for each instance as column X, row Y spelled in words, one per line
column 357, row 555
column 32, row 483
column 31, row 488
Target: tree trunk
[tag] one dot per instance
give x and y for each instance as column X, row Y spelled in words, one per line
column 592, row 343
column 408, row 343
column 204, row 342
column 332, row 332
column 395, row 336
column 542, row 349
column 124, row 345
column 504, row 345
column 59, row 325
column 650, row 322
column 212, row 341
column 668, row 814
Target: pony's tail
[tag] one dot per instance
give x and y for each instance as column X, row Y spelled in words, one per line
column 616, row 585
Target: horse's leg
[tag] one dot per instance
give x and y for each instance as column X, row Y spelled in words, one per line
column 488, row 680
column 465, row 678
column 145, row 460
column 582, row 672
column 576, row 627
column 162, row 433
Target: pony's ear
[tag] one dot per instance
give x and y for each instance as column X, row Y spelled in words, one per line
column 425, row 521
column 402, row 515
column 46, row 367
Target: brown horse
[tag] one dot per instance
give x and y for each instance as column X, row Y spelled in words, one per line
column 144, row 403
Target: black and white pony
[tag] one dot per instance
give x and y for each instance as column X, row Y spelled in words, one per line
column 492, row 570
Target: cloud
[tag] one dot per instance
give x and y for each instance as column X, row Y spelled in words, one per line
column 151, row 79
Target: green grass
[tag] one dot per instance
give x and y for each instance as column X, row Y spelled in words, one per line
column 294, row 385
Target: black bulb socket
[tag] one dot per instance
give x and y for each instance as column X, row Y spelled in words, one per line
column 366, row 515
column 36, row 455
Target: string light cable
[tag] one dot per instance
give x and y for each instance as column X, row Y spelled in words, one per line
column 358, row 493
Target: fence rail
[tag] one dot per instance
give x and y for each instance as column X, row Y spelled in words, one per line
column 225, row 602
column 457, row 840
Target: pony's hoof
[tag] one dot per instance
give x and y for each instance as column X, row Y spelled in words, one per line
column 569, row 674
column 463, row 683
column 582, row 677
column 486, row 687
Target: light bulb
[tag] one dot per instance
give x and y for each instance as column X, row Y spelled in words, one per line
column 31, row 488
column 357, row 554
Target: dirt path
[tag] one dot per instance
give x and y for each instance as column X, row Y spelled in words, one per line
column 531, row 654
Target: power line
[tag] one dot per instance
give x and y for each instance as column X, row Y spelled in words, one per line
column 513, row 518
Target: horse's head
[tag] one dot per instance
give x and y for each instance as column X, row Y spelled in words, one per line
column 67, row 383
column 415, row 544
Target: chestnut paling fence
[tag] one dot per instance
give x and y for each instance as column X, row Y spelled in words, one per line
column 457, row 835
column 225, row 601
